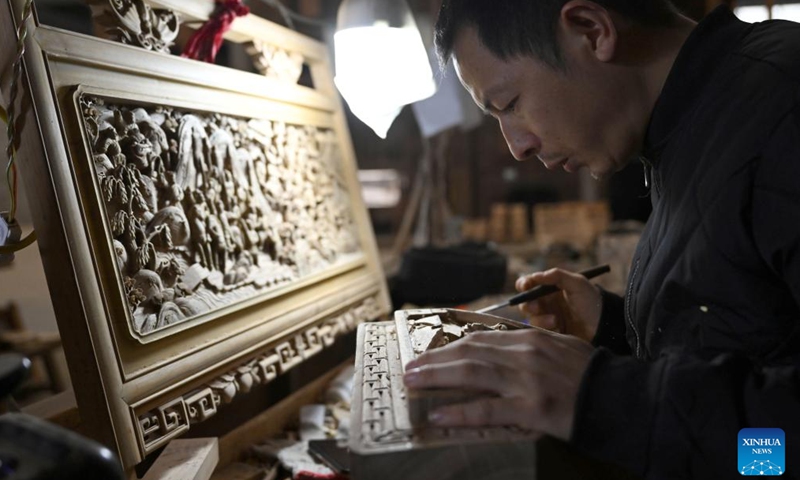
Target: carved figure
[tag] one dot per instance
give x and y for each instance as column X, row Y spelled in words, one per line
column 275, row 62
column 171, row 227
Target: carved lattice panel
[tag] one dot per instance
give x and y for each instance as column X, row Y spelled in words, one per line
column 134, row 22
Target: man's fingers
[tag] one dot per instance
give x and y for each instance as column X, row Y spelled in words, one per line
column 485, row 412
column 522, row 282
column 532, row 308
column 548, row 322
column 502, row 349
column 466, row 374
column 512, row 338
column 472, row 348
column 454, row 352
column 563, row 279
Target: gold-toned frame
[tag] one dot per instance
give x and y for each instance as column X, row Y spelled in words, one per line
column 136, row 395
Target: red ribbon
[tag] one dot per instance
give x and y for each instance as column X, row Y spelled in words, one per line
column 205, row 43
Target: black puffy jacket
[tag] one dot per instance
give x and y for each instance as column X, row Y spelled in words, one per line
column 707, row 338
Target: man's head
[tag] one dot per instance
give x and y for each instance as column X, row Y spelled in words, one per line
column 571, row 81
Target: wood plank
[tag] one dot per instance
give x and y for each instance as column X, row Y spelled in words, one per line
column 186, row 459
column 61, row 409
column 239, row 471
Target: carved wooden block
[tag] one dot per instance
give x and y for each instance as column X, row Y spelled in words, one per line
column 201, row 228
column 191, row 459
column 447, row 326
column 389, row 445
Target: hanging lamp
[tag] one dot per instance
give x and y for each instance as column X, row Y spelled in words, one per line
column 380, row 60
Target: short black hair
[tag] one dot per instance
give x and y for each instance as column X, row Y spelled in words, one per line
column 510, row 28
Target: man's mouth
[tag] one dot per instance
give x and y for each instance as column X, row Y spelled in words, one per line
column 553, row 163
column 570, row 166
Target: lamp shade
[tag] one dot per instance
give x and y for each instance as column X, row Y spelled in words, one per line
column 381, row 63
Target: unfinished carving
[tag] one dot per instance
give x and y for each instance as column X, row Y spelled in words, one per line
column 160, row 425
column 432, row 332
column 276, row 62
column 134, row 22
column 382, row 406
column 207, row 210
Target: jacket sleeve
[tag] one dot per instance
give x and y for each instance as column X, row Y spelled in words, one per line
column 632, row 413
column 679, row 417
column 611, row 328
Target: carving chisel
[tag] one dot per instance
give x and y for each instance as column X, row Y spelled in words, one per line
column 542, row 290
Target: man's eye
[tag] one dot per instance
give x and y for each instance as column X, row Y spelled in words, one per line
column 511, row 105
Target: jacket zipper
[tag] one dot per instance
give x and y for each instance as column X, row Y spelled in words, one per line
column 628, row 314
column 647, row 169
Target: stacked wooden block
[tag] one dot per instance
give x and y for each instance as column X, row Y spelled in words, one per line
column 575, row 223
column 507, row 223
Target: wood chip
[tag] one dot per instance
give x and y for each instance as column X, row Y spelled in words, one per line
column 453, row 330
column 434, row 321
column 426, row 338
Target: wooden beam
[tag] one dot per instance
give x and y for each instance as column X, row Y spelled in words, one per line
column 186, row 459
column 60, row 409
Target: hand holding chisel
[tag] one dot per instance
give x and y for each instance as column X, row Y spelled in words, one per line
column 542, row 290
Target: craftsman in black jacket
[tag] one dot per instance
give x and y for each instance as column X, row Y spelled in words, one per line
column 707, row 339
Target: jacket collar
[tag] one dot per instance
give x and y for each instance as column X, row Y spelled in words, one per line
column 702, row 53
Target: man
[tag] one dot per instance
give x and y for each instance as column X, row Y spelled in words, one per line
column 707, row 339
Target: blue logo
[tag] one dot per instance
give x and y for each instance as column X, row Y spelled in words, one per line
column 762, row 451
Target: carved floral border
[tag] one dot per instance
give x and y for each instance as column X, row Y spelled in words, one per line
column 158, row 426
column 134, row 22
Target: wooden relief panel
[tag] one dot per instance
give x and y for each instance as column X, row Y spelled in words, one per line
column 201, row 227
column 157, row 426
column 134, row 22
column 206, row 210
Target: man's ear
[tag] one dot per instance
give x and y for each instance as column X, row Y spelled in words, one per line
column 587, row 24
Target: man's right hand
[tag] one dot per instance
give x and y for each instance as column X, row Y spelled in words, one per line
column 574, row 311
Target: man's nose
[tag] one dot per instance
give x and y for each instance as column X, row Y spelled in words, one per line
column 522, row 143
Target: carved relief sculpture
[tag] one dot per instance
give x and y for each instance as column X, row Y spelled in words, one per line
column 156, row 427
column 275, row 62
column 201, row 226
column 206, row 210
column 133, row 22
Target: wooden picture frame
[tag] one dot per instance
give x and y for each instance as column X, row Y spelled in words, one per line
column 138, row 387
